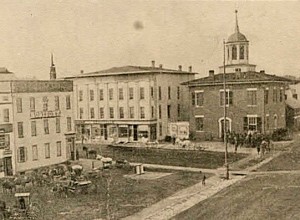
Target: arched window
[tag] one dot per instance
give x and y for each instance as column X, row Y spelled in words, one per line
column 227, row 53
column 242, row 51
column 234, row 52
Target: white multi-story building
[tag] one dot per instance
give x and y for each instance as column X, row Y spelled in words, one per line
column 130, row 103
column 36, row 123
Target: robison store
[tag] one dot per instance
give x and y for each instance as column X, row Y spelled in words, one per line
column 108, row 133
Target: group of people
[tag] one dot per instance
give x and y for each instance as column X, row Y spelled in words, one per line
column 251, row 139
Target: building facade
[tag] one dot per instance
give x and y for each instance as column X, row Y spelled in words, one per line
column 254, row 100
column 36, row 124
column 129, row 104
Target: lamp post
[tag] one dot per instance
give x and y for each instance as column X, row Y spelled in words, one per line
column 225, row 113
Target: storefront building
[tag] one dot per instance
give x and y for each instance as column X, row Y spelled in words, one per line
column 129, row 104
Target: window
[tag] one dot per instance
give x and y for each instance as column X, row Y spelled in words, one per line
column 21, row 154
column 57, row 125
column 80, row 95
column 169, row 92
column 193, row 98
column 267, row 126
column 101, row 112
column 152, row 111
column 121, row 111
column 252, row 123
column 242, row 51
column 33, row 128
column 92, row 95
column 45, row 103
column 101, row 94
column 46, row 126
column 47, row 150
column 92, row 110
column 131, row 112
column 142, row 93
column 295, row 96
column 266, row 96
column 229, row 97
column 123, row 132
column 159, row 111
column 275, row 95
column 251, row 97
column 199, row 98
column 6, row 115
column 19, row 105
column 159, row 93
column 178, row 111
column 234, row 52
column 68, row 102
column 20, row 130
column 142, row 109
column 111, row 93
column 199, row 123
column 169, row 111
column 121, row 94
column 58, row 148
column 178, row 92
column 80, row 113
column 152, row 92
column 281, row 95
column 56, row 100
column 69, row 124
column 130, row 93
column 34, row 152
column 5, row 98
column 32, row 104
column 111, row 112
column 160, row 129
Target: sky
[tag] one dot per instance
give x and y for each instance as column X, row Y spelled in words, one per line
column 93, row 35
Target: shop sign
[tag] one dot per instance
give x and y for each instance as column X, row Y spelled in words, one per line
column 45, row 114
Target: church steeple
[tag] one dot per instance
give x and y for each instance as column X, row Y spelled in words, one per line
column 52, row 69
column 237, row 29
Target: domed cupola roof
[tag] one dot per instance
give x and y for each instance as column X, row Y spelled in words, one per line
column 237, row 36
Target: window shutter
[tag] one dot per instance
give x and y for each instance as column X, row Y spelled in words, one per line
column 193, row 98
column 245, row 123
column 259, row 124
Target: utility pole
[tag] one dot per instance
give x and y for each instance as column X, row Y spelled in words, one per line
column 225, row 113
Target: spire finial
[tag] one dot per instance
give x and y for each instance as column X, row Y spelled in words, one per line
column 52, row 63
column 236, row 22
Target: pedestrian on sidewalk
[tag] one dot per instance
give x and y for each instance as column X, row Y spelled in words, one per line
column 203, row 180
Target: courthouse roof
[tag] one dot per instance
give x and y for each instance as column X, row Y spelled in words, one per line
column 130, row 70
column 238, row 78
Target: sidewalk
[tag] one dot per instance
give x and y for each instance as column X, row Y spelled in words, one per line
column 183, row 200
column 165, row 167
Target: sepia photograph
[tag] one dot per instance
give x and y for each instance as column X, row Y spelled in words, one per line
column 149, row 110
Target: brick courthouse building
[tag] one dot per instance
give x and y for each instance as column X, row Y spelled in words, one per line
column 254, row 100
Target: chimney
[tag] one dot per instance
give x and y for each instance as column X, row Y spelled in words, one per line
column 81, row 71
column 262, row 71
column 153, row 63
column 190, row 69
column 160, row 66
column 211, row 73
column 179, row 68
